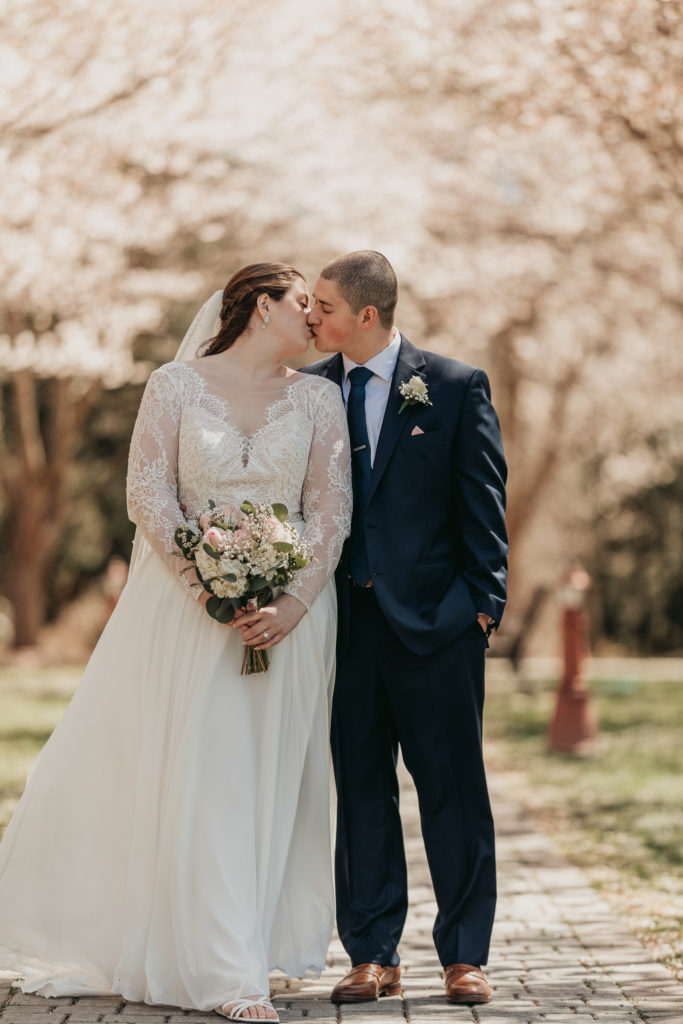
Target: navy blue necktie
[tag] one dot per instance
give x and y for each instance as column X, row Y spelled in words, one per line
column 362, row 470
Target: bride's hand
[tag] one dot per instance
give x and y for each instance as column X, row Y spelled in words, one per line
column 277, row 619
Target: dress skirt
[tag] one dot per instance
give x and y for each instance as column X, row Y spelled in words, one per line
column 173, row 841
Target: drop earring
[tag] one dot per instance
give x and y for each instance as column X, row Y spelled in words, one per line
column 266, row 321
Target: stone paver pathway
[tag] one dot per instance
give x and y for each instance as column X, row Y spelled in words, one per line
column 559, row 954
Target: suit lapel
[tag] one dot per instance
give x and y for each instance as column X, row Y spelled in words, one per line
column 410, row 361
column 334, row 370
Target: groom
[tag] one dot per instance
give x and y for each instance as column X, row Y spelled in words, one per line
column 421, row 584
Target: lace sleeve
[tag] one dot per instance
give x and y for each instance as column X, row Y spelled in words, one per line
column 326, row 497
column 152, row 481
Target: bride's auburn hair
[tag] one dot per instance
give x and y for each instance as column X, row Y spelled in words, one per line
column 241, row 294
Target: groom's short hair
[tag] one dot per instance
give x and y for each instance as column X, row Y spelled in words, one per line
column 365, row 278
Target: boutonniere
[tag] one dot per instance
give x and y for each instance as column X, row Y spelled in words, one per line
column 414, row 392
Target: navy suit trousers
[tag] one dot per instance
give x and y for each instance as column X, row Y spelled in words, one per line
column 431, row 706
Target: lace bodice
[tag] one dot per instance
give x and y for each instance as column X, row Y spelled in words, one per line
column 186, row 449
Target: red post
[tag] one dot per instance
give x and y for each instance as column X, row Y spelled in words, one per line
column 574, row 727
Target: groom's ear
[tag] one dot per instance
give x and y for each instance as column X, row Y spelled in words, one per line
column 368, row 317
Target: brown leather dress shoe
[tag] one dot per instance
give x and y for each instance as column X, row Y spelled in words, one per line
column 466, row 984
column 366, row 982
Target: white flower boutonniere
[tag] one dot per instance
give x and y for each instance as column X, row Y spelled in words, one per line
column 414, row 392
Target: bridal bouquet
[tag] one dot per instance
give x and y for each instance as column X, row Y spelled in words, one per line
column 240, row 554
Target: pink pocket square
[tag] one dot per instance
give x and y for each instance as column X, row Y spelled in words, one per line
column 416, row 430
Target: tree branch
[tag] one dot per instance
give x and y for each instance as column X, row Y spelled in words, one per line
column 527, row 495
column 37, row 131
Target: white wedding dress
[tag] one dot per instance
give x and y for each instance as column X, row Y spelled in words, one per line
column 173, row 841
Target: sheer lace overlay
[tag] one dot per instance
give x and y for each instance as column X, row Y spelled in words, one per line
column 187, row 448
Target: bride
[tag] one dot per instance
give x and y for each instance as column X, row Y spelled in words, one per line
column 173, row 841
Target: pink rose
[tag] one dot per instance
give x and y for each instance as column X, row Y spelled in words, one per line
column 242, row 535
column 274, row 531
column 231, row 514
column 215, row 538
column 204, row 520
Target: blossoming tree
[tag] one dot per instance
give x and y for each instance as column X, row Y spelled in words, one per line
column 520, row 164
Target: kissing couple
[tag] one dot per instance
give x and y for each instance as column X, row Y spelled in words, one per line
column 172, row 844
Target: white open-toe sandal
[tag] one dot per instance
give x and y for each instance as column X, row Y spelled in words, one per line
column 240, row 1005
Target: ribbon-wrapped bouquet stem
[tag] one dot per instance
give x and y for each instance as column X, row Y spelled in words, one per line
column 240, row 554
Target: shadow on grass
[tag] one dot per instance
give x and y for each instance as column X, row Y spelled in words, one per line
column 25, row 735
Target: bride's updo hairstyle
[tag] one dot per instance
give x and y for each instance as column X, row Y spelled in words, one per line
column 240, row 295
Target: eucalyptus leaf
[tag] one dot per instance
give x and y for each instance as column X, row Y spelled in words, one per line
column 220, row 609
column 279, row 511
column 247, row 507
column 212, row 552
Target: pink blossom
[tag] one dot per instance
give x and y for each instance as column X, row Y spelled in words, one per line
column 242, row 535
column 204, row 520
column 216, row 538
column 231, row 514
column 274, row 531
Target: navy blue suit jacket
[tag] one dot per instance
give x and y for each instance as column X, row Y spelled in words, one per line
column 435, row 521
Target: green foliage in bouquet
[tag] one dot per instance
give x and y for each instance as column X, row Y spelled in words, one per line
column 240, row 555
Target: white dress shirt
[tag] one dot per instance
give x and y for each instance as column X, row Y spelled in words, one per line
column 377, row 388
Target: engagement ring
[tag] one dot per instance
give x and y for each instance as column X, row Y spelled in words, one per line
column 266, row 634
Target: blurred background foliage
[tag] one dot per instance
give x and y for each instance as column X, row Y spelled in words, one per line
column 520, row 165
column 636, row 561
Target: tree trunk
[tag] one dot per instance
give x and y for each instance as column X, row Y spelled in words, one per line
column 30, row 548
column 33, row 470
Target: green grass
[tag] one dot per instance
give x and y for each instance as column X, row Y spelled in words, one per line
column 629, row 793
column 617, row 812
